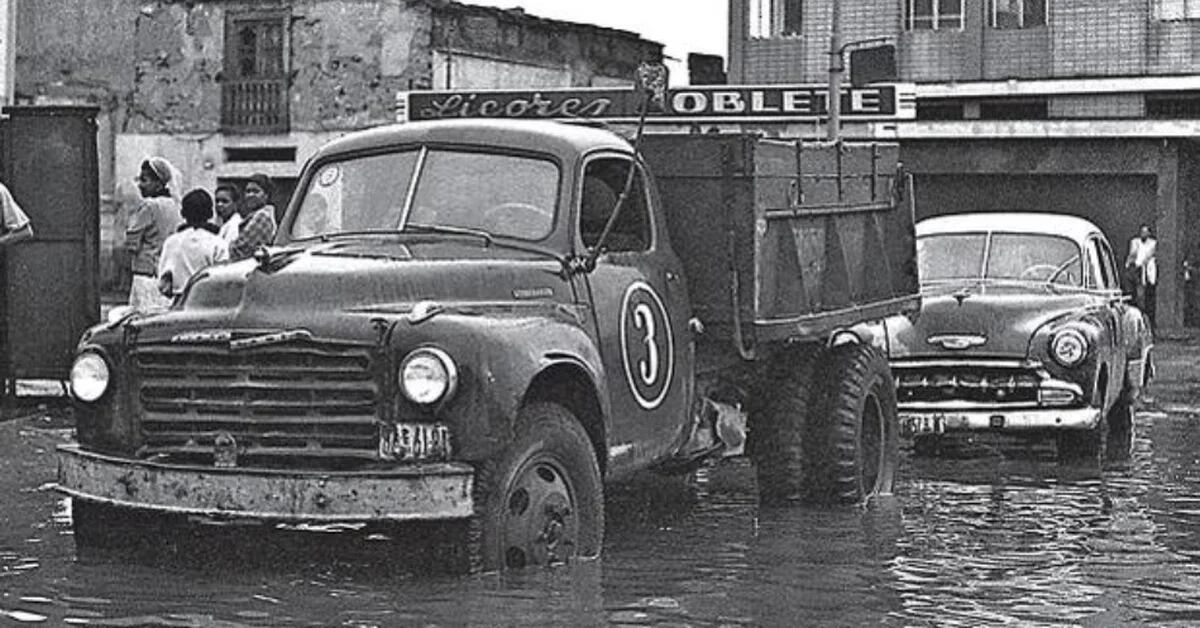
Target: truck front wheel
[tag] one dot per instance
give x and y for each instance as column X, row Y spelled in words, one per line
column 541, row 502
column 851, row 440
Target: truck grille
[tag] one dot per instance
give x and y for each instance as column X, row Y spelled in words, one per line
column 296, row 401
column 967, row 383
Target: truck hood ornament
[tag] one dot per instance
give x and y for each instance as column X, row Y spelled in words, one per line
column 269, row 339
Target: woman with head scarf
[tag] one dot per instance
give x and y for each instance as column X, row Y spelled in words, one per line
column 155, row 218
column 258, row 218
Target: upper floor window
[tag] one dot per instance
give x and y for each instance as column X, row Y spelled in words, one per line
column 774, row 18
column 924, row 15
column 1017, row 13
column 1177, row 9
column 254, row 95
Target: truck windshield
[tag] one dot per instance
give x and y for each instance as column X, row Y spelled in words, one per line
column 1009, row 256
column 503, row 195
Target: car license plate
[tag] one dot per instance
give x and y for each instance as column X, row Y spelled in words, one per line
column 414, row 441
column 922, row 424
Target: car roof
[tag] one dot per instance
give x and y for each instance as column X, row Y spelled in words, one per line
column 1072, row 227
column 557, row 138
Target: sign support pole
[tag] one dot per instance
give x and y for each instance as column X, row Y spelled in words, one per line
column 834, row 104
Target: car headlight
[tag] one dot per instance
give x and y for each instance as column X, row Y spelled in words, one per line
column 89, row 376
column 428, row 375
column 1069, row 347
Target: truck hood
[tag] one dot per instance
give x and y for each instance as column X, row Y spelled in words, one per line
column 297, row 285
column 982, row 319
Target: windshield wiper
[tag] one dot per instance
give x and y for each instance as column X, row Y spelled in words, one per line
column 488, row 239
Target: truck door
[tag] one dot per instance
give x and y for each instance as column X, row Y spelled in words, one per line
column 639, row 300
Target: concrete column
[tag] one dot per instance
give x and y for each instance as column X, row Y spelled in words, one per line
column 739, row 29
column 1169, row 230
column 8, row 50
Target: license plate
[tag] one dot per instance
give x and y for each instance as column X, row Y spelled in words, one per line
column 925, row 424
column 414, row 442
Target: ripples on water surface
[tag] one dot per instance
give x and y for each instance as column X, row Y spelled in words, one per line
column 994, row 536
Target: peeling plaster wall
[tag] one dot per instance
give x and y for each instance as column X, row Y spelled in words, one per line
column 178, row 56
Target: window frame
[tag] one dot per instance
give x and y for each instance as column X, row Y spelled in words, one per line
column 1188, row 10
column 769, row 19
column 936, row 17
column 233, row 57
column 994, row 14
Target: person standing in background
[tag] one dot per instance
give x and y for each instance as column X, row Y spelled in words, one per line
column 195, row 247
column 14, row 223
column 1141, row 260
column 227, row 199
column 155, row 218
column 258, row 218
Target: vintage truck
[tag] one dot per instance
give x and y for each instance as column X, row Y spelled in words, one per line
column 457, row 323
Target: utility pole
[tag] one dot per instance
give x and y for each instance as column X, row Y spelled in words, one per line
column 834, row 98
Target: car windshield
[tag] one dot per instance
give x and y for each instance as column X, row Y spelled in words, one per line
column 498, row 194
column 1009, row 256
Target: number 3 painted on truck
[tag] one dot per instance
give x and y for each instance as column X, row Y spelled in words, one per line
column 647, row 345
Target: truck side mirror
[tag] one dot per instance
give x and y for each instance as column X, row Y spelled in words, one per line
column 651, row 80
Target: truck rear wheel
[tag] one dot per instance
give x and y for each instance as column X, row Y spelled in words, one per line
column 851, row 441
column 541, row 501
column 777, row 427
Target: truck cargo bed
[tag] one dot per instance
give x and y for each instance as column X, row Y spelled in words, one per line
column 787, row 240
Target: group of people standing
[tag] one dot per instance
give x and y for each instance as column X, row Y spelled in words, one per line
column 170, row 237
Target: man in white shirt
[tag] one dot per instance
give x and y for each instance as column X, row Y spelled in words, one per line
column 194, row 247
column 1141, row 260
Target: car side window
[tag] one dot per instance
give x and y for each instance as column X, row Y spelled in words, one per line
column 1110, row 262
column 1100, row 277
column 603, row 180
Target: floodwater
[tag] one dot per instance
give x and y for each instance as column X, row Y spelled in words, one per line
column 993, row 535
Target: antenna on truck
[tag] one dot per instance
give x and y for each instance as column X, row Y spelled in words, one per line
column 650, row 83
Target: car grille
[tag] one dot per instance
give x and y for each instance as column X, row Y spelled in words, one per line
column 303, row 400
column 999, row 384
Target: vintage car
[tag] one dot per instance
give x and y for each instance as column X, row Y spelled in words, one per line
column 1023, row 329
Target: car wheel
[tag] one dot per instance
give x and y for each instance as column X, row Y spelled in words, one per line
column 775, row 441
column 541, row 501
column 851, row 439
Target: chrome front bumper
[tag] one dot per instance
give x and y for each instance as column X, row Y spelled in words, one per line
column 997, row 419
column 411, row 493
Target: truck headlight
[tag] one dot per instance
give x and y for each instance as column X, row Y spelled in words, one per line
column 1069, row 347
column 428, row 375
column 89, row 376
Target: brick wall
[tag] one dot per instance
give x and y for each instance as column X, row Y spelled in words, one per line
column 1173, row 47
column 1099, row 38
column 1016, row 53
column 775, row 61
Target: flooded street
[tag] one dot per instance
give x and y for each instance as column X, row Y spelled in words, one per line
column 993, row 535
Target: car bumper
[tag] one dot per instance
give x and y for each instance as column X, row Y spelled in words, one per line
column 412, row 493
column 926, row 421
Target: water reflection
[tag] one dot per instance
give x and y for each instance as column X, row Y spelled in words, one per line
column 992, row 533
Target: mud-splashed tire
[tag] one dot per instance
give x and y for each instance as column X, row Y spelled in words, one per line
column 541, row 501
column 1085, row 446
column 1119, row 444
column 851, row 440
column 776, row 438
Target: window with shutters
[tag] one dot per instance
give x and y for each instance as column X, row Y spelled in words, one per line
column 254, row 92
column 775, row 18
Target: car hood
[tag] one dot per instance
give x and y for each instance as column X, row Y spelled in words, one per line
column 982, row 319
column 315, row 287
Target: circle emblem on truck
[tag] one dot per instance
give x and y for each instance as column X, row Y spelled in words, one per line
column 647, row 345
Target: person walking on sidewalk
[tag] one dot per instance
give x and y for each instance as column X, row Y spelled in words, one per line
column 195, row 247
column 155, row 218
column 258, row 218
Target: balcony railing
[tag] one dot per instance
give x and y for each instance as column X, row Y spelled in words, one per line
column 255, row 106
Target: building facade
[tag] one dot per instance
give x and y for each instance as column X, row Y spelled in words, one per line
column 226, row 88
column 1084, row 107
